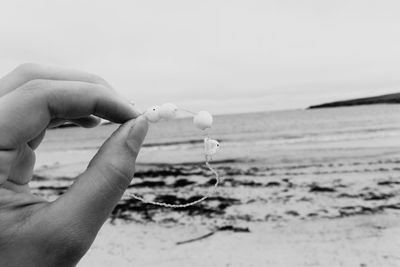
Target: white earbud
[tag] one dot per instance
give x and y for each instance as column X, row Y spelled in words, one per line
column 210, row 146
column 153, row 114
column 203, row 120
column 168, row 111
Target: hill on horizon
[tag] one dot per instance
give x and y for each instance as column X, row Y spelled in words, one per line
column 382, row 99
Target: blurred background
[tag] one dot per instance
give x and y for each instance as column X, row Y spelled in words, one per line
column 301, row 186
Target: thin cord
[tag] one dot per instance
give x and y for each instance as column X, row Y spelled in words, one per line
column 180, row 206
column 191, row 112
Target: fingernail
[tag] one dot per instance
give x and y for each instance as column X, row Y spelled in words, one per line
column 138, row 112
column 138, row 132
column 135, row 108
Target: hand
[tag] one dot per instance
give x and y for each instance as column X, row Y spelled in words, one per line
column 34, row 232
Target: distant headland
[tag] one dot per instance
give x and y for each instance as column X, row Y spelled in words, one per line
column 383, row 99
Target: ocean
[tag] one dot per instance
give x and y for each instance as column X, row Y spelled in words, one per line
column 249, row 137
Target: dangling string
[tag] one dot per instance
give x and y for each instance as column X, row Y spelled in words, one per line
column 176, row 206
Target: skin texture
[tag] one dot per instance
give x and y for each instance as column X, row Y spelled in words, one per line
column 34, row 232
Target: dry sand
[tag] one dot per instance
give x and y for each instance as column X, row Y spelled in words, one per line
column 371, row 240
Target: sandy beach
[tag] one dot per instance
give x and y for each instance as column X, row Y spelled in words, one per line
column 361, row 240
column 320, row 202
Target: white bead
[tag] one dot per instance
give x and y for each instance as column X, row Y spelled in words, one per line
column 210, row 146
column 168, row 111
column 203, row 120
column 153, row 114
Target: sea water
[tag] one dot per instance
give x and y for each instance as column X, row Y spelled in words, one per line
column 251, row 136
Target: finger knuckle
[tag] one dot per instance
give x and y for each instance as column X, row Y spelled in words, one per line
column 100, row 91
column 94, row 87
column 102, row 88
column 122, row 176
column 36, row 85
column 27, row 69
column 99, row 80
column 133, row 146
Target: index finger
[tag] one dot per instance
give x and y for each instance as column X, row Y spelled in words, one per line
column 26, row 112
column 31, row 71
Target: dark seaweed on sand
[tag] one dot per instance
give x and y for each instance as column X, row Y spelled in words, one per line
column 278, row 193
column 128, row 206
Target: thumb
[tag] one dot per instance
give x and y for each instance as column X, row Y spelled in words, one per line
column 96, row 192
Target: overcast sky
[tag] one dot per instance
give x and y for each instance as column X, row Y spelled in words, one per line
column 222, row 56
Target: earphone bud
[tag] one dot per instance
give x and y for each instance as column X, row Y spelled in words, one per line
column 202, row 120
column 210, row 146
column 153, row 114
column 168, row 111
